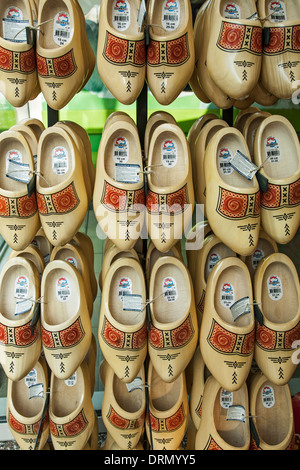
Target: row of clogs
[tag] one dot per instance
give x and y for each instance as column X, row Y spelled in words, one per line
column 257, row 416
column 236, row 204
column 46, row 180
column 58, row 62
column 40, row 406
column 245, row 52
column 121, row 205
column 48, row 312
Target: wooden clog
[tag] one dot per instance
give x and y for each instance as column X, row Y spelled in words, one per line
column 27, row 409
column 86, row 244
column 61, row 191
column 65, row 318
column 111, row 255
column 18, row 73
column 232, row 201
column 119, row 193
column 122, row 330
column 167, row 418
column 121, row 57
column 227, row 329
column 224, row 423
column 33, row 254
column 18, row 206
column 71, row 412
column 124, row 408
column 277, row 150
column 41, row 242
column 243, row 115
column 234, row 47
column 21, row 341
column 154, row 120
column 265, row 247
column 170, row 196
column 276, row 291
column 173, row 335
column 271, row 414
column 171, row 50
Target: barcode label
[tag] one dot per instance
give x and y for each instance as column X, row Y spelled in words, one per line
column 169, row 288
column 62, row 28
column 273, row 153
column 170, row 16
column 21, row 287
column 121, row 18
column 277, row 17
column 63, row 291
column 121, row 14
column 62, row 34
column 274, row 287
column 267, row 396
column 227, row 295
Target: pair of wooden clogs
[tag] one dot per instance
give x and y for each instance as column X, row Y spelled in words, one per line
column 120, row 204
column 46, row 180
column 257, row 416
column 59, row 63
column 124, row 58
column 239, row 197
column 41, row 405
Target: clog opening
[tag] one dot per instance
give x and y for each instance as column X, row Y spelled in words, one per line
column 169, row 163
column 31, row 256
column 272, row 410
column 9, row 10
column 171, row 294
column 67, row 254
column 280, row 296
column 58, row 31
column 234, row 432
column 130, row 401
column 280, row 151
column 56, row 161
column 168, row 17
column 61, row 296
column 67, row 395
column 216, row 253
column 126, row 280
column 12, row 150
column 23, row 404
column 17, row 285
column 228, row 146
column 121, row 151
column 164, row 396
column 231, row 286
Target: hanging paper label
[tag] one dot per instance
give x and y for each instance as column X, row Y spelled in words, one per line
column 136, row 384
column 23, row 306
column 240, row 307
column 170, row 15
column 132, row 303
column 236, row 413
column 244, row 166
column 127, row 173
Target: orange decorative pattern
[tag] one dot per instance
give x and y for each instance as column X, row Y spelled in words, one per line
column 58, row 67
column 28, row 429
column 238, row 206
column 176, row 338
column 238, row 37
column 170, row 424
column 120, row 200
column 226, row 342
column 21, row 207
column 172, row 53
column 66, row 338
column 281, row 195
column 73, row 428
column 122, row 340
column 123, row 423
column 173, row 203
column 124, row 52
column 283, row 39
column 272, row 340
column 21, row 62
column 62, row 202
column 19, row 336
